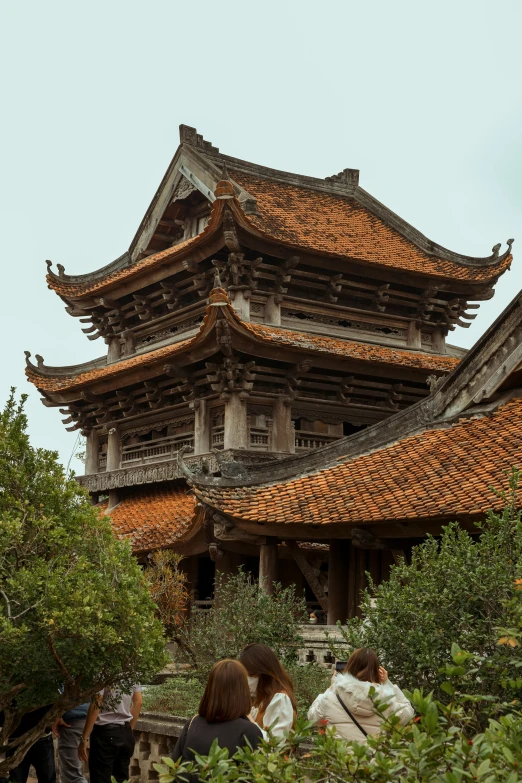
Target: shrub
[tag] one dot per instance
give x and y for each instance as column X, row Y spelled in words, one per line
column 437, row 747
column 309, row 681
column 179, row 695
column 242, row 613
column 457, row 587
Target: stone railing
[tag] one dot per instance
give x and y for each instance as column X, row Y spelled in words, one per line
column 167, row 470
column 155, row 735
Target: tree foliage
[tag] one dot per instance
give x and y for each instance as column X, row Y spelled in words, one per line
column 75, row 612
column 458, row 588
column 167, row 586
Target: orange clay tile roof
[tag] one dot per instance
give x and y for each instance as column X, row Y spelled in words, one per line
column 350, row 349
column 72, row 288
column 270, row 334
column 337, row 225
column 437, row 473
column 154, row 518
column 62, row 382
column 75, row 288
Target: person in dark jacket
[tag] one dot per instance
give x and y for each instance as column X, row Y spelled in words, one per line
column 40, row 755
column 222, row 715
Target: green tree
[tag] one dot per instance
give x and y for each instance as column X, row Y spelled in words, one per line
column 75, row 612
column 456, row 588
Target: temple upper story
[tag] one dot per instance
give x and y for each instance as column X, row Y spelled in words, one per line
column 256, row 311
column 313, row 255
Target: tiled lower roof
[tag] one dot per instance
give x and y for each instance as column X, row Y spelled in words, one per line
column 154, row 518
column 437, row 473
column 354, row 350
column 338, row 225
column 62, row 382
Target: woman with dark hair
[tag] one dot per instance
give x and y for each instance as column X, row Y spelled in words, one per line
column 272, row 689
column 222, row 715
column 347, row 703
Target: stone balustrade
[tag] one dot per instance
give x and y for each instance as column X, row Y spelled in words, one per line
column 156, row 735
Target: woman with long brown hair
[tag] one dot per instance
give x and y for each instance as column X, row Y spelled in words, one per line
column 347, row 703
column 222, row 715
column 272, row 689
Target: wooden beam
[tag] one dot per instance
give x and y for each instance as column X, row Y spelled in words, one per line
column 309, row 573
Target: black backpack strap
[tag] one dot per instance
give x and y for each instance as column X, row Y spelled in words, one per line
column 345, row 708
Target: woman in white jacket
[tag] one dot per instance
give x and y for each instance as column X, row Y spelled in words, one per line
column 347, row 704
column 271, row 688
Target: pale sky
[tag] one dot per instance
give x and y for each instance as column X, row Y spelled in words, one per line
column 425, row 99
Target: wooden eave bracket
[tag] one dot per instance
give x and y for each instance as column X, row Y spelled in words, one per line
column 310, row 573
column 485, row 367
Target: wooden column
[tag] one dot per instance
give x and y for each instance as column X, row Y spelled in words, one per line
column 413, row 337
column 272, row 312
column 338, row 565
column 201, row 427
column 91, row 453
column 113, row 450
column 352, row 582
column 130, row 341
column 438, row 341
column 361, row 578
column 114, row 351
column 241, row 304
column 283, row 436
column 268, row 565
column 236, row 424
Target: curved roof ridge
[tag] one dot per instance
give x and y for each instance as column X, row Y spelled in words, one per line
column 280, row 229
column 96, row 274
column 65, row 370
column 61, row 281
column 423, row 242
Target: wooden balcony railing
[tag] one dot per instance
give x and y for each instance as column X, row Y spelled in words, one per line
column 218, row 437
column 305, row 441
column 154, row 450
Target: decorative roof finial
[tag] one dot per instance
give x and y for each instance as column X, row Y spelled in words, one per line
column 224, row 188
column 224, row 172
column 217, row 279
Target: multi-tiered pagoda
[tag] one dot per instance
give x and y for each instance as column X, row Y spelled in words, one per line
column 256, row 315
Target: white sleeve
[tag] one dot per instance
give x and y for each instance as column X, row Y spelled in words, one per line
column 400, row 706
column 316, row 711
column 279, row 715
